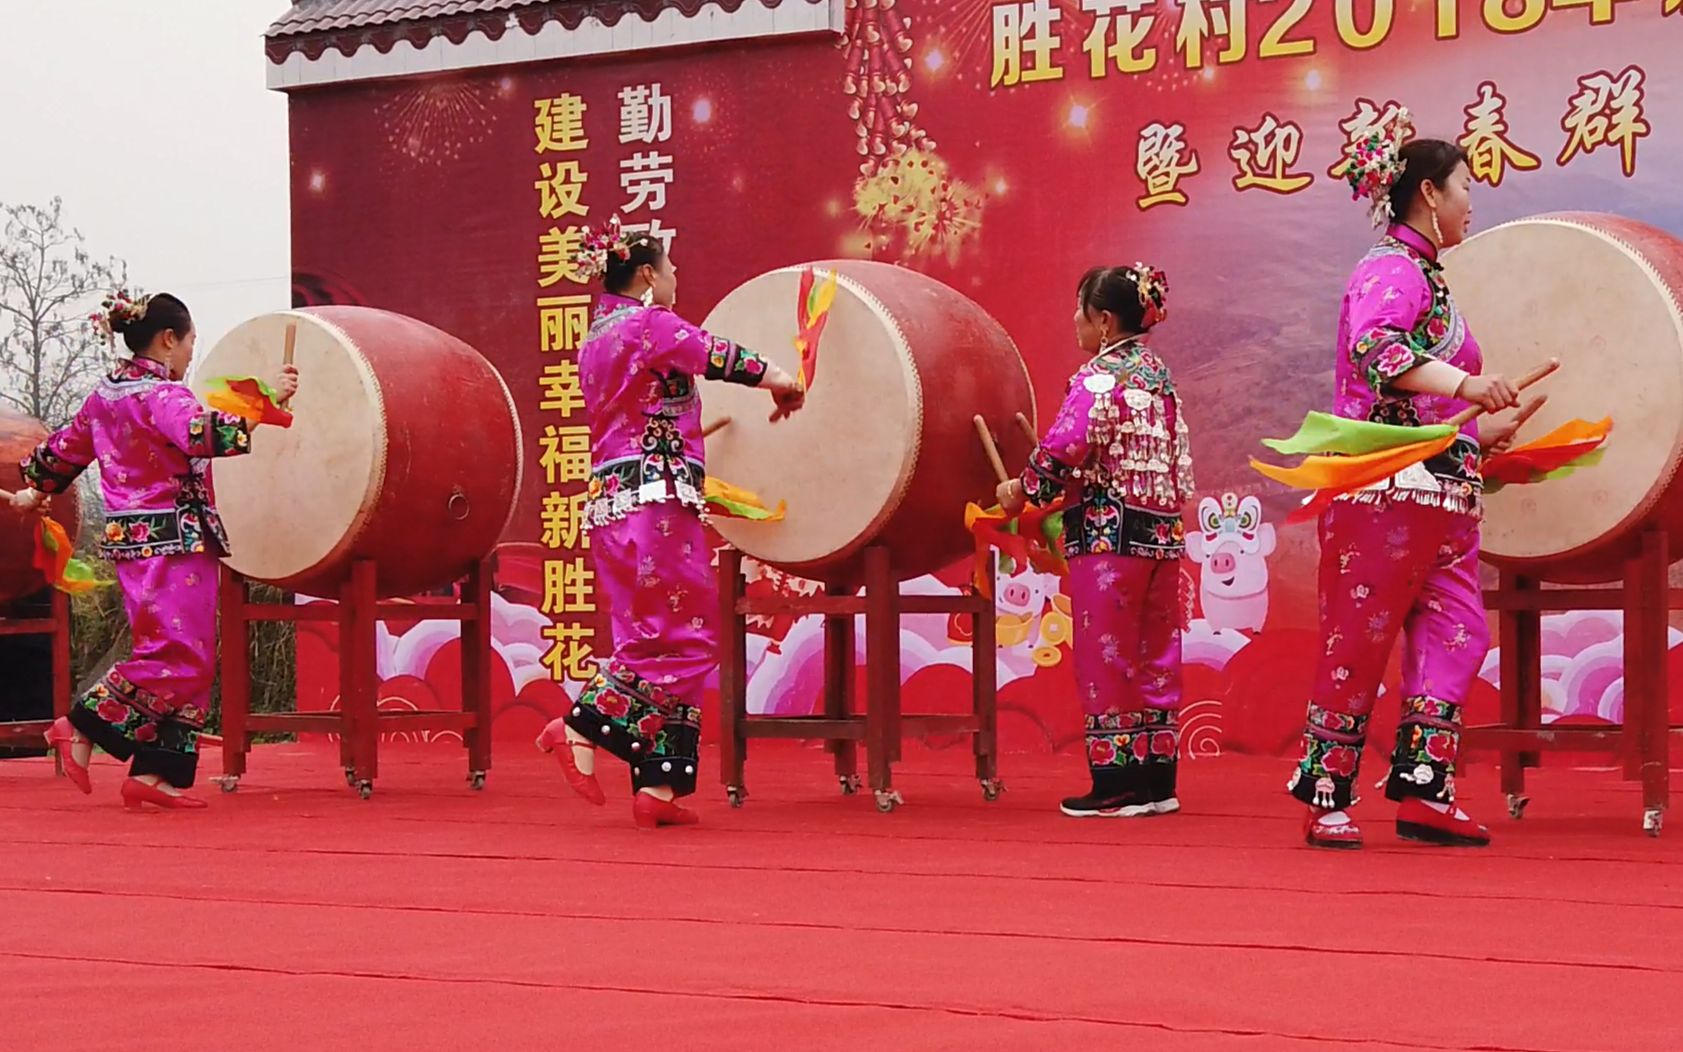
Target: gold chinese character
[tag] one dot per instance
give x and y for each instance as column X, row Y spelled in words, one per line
column 556, row 249
column 569, row 658
column 1672, row 7
column 1161, row 165
column 559, row 187
column 562, row 392
column 562, row 521
column 1131, row 28
column 1485, row 138
column 1607, row 109
column 568, row 587
column 565, row 455
column 1265, row 155
column 1226, row 19
column 1020, row 27
column 1361, row 124
column 563, row 321
column 560, row 125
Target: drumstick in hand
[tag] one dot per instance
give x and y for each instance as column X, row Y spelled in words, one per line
column 1462, row 418
column 287, row 353
column 1027, row 429
column 990, row 448
column 707, row 430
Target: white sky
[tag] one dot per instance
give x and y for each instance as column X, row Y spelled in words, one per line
column 150, row 119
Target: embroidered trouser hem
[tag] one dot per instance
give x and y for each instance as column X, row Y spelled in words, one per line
column 658, row 736
column 171, row 756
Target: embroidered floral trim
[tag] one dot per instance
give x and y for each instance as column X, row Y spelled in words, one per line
column 733, row 364
column 124, row 707
column 1106, row 527
column 46, row 470
column 1325, row 775
column 1133, row 738
column 619, row 487
column 1045, row 478
column 641, row 723
column 1428, row 741
column 214, row 434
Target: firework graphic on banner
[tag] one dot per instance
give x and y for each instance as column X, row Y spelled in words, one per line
column 431, row 124
column 960, row 38
column 906, row 194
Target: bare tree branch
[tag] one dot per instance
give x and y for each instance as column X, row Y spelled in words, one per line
column 49, row 357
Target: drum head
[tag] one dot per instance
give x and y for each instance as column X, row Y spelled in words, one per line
column 1560, row 287
column 843, row 462
column 303, row 491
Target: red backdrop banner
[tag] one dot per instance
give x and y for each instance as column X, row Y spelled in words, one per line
column 1003, row 149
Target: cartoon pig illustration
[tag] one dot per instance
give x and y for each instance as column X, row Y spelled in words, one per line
column 1231, row 546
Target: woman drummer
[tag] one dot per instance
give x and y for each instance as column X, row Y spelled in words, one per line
column 1119, row 451
column 152, row 439
column 1403, row 555
column 653, row 561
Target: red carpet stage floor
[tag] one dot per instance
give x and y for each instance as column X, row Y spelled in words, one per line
column 294, row 916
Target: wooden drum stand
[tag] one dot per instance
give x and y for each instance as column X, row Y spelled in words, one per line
column 55, row 623
column 882, row 726
column 1643, row 739
column 358, row 721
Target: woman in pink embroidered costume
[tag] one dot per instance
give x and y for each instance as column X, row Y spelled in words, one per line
column 153, row 441
column 1403, row 555
column 653, row 562
column 1119, row 455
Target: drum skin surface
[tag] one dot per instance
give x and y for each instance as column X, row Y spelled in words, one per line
column 885, row 451
column 19, row 435
column 404, row 450
column 1602, row 294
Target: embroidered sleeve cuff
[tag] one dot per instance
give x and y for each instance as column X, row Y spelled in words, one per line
column 48, row 472
column 1045, row 477
column 213, row 434
column 734, row 365
column 1383, row 355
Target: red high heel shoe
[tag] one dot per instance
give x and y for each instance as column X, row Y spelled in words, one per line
column 1338, row 836
column 61, row 739
column 136, row 792
column 651, row 812
column 1427, row 825
column 554, row 739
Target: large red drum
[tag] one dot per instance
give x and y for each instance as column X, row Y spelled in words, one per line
column 1602, row 293
column 19, row 434
column 885, row 452
column 404, row 451
column 19, row 578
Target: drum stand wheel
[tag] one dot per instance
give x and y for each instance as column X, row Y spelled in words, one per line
column 477, row 780
column 991, row 789
column 736, row 794
column 888, row 800
column 850, row 783
column 350, row 777
column 1516, row 805
column 228, row 783
column 1652, row 819
column 365, row 788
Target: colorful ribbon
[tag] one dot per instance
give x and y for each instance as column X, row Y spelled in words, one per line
column 811, row 312
column 55, row 558
column 728, row 502
column 1034, row 538
column 249, row 398
column 1573, row 445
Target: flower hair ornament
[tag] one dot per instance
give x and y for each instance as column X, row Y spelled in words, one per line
column 1153, row 286
column 1375, row 164
column 117, row 311
column 590, row 261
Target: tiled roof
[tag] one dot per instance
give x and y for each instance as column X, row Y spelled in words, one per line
column 326, row 16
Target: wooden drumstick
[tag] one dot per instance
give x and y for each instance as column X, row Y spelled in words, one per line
column 990, row 448
column 1465, row 416
column 287, row 353
column 717, row 425
column 1027, row 430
